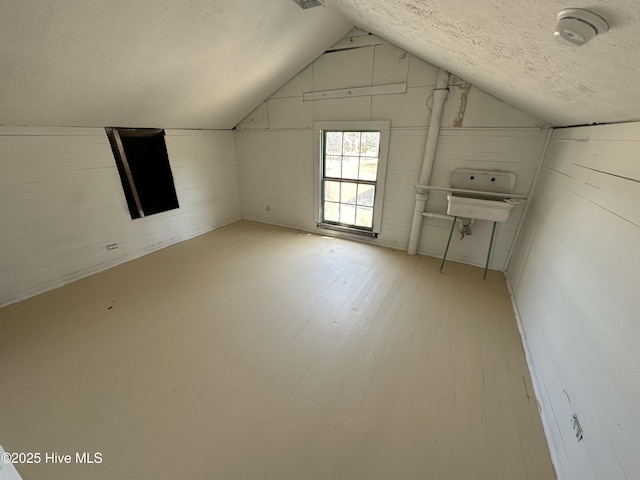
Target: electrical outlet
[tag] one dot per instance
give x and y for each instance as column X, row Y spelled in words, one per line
column 577, row 428
column 112, row 246
column 268, row 208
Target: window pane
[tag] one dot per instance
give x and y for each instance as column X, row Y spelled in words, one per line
column 333, row 143
column 348, row 192
column 349, row 159
column 331, row 212
column 333, row 166
column 370, row 144
column 351, row 143
column 364, row 217
column 347, row 214
column 332, row 191
column 368, row 168
column 365, row 195
column 350, row 167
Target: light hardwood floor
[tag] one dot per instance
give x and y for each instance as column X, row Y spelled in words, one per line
column 260, row 352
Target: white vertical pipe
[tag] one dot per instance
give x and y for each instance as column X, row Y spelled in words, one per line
column 439, row 96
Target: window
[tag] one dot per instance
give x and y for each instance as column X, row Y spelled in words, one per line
column 351, row 180
column 145, row 172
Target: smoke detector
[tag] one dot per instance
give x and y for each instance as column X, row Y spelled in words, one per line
column 576, row 26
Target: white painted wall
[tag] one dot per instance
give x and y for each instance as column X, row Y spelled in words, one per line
column 62, row 202
column 276, row 156
column 575, row 274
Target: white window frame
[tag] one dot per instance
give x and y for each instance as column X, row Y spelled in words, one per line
column 384, row 127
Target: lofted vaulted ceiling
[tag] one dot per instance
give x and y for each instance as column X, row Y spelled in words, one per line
column 506, row 48
column 152, row 63
column 206, row 64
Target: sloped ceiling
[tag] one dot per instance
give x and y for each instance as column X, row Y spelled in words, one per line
column 507, row 48
column 208, row 63
column 152, row 63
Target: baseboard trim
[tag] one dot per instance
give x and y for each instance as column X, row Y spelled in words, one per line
column 92, row 270
column 539, row 390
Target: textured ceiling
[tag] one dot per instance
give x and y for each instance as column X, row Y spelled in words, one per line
column 507, row 48
column 152, row 63
column 207, row 63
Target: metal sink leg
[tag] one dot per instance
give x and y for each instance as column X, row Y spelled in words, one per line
column 444, row 257
column 486, row 265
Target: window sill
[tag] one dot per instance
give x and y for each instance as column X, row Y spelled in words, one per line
column 343, row 229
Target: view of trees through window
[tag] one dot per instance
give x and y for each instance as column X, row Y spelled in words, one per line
column 350, row 170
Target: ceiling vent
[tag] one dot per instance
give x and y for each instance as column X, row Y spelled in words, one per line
column 576, row 26
column 309, row 3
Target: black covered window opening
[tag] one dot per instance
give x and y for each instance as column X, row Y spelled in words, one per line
column 145, row 172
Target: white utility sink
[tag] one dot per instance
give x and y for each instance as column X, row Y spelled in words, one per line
column 495, row 210
column 481, row 202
